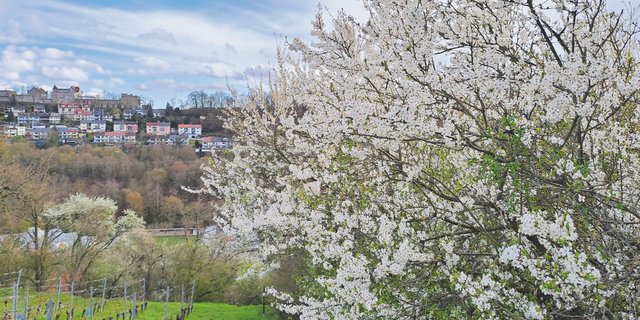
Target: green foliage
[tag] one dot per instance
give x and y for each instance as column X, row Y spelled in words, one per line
column 170, row 241
column 19, row 139
column 149, row 112
column 53, row 140
column 247, row 287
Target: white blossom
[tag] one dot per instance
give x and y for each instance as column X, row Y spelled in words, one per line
column 452, row 159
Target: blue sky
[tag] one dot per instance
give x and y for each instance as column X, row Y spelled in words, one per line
column 159, row 49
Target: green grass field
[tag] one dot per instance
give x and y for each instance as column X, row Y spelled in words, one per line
column 171, row 240
column 155, row 310
column 218, row 311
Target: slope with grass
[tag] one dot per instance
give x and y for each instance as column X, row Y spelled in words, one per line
column 154, row 311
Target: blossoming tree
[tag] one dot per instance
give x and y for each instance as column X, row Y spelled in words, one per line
column 96, row 228
column 449, row 158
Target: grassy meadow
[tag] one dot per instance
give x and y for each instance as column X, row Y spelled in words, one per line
column 155, row 310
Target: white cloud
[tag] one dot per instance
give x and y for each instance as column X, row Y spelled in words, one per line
column 109, row 83
column 136, row 71
column 153, row 62
column 94, row 92
column 230, row 48
column 28, row 54
column 64, row 73
column 173, row 84
column 185, row 34
column 28, row 66
column 55, row 54
column 116, row 81
column 161, row 35
column 15, row 61
column 11, row 75
column 220, row 70
column 84, row 64
column 11, row 32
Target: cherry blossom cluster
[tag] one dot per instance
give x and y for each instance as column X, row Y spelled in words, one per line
column 452, row 159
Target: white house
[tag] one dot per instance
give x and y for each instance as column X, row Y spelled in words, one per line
column 93, row 125
column 192, row 130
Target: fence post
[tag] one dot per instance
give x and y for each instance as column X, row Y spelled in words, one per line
column 193, row 291
column 166, row 306
column 19, row 276
column 26, row 305
column 18, row 291
column 104, row 291
column 125, row 298
column 49, row 309
column 58, row 299
column 14, row 305
column 144, row 289
column 91, row 303
column 71, row 299
column 182, row 296
column 134, row 308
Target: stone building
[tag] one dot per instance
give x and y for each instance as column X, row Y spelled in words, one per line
column 59, row 95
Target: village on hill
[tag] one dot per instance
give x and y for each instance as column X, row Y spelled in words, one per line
column 65, row 116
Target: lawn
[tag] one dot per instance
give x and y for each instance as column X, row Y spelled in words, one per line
column 219, row 311
column 170, row 240
column 155, row 310
column 207, row 311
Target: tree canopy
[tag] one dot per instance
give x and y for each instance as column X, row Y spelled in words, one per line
column 96, row 228
column 465, row 159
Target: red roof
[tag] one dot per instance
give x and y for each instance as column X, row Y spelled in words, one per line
column 158, row 124
column 190, row 126
column 115, row 134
